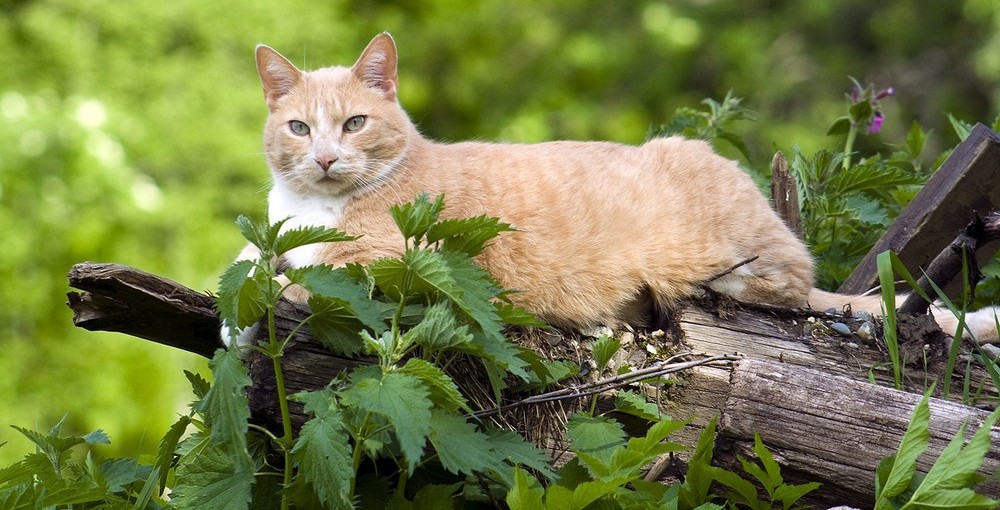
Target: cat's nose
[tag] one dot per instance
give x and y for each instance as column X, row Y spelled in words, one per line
column 326, row 162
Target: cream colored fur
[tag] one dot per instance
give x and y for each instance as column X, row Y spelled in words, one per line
column 600, row 226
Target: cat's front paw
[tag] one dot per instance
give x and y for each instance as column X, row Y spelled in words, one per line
column 239, row 337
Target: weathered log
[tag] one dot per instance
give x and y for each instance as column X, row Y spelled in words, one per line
column 795, row 368
column 966, row 182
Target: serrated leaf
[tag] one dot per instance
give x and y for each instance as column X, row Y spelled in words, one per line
column 467, row 235
column 790, row 494
column 213, row 479
column 771, row 468
column 199, row 386
column 459, row 447
column 962, row 128
column 700, row 474
column 225, row 405
column 97, row 437
column 443, row 391
column 323, row 451
column 310, row 234
column 635, row 404
column 509, row 445
column 258, row 233
column 119, row 473
column 603, row 350
column 241, row 300
column 915, row 138
column 168, row 446
column 404, row 401
column 594, row 439
column 954, row 498
column 326, row 281
column 517, row 316
column 334, row 325
column 414, row 218
column 439, row 330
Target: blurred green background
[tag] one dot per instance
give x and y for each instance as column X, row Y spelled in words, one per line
column 130, row 131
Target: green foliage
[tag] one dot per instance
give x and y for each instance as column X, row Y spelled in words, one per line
column 950, row 481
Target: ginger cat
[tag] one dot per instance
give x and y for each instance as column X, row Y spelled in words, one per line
column 601, row 227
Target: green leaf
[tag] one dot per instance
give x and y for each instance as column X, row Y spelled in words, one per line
column 956, row 467
column 517, row 316
column 435, row 497
column 439, row 330
column 334, row 325
column 225, row 405
column 168, row 446
column 96, row 437
column 594, row 437
column 323, row 451
column 526, row 494
column 413, row 219
column 634, row 404
column 302, row 236
column 511, row 446
column 603, row 350
column 404, row 401
column 915, row 139
column 911, row 446
column 771, row 469
column 120, row 473
column 840, row 126
column 459, row 447
column 258, row 233
column 199, row 386
column 467, row 235
column 790, row 494
column 962, row 128
column 241, row 300
column 695, row 489
column 337, row 283
column 213, row 479
column 443, row 391
column 964, row 498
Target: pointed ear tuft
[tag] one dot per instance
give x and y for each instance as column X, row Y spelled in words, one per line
column 277, row 75
column 377, row 65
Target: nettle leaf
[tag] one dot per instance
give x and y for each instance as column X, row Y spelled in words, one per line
column 334, row 325
column 213, row 479
column 302, row 236
column 225, row 405
column 436, row 496
column 199, row 386
column 326, row 281
column 168, row 446
column 120, row 473
column 517, row 316
column 467, row 235
column 258, row 233
column 596, row 438
column 404, row 401
column 603, row 349
column 241, row 300
column 439, row 330
column 56, row 449
column 415, row 218
column 635, row 404
column 460, row 448
column 509, row 445
column 323, row 451
column 443, row 391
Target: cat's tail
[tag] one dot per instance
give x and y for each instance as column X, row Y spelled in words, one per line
column 981, row 324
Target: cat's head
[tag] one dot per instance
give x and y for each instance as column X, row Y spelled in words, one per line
column 335, row 130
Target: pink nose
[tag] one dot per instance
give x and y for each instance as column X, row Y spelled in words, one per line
column 326, row 162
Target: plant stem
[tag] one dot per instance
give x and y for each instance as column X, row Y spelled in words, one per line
column 849, row 145
column 286, row 417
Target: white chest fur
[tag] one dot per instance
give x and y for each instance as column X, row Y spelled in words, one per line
column 302, row 211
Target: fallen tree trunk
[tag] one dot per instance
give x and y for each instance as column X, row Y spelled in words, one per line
column 801, row 384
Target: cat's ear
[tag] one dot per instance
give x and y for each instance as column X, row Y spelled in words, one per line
column 376, row 66
column 277, row 75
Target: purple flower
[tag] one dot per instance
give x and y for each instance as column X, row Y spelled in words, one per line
column 876, row 124
column 882, row 94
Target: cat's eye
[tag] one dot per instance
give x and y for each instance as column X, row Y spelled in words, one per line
column 298, row 127
column 354, row 123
